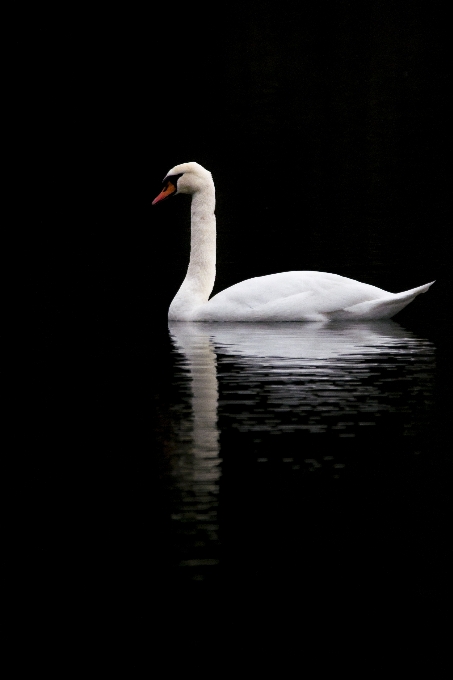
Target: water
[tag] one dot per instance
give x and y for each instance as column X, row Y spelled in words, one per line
column 296, row 460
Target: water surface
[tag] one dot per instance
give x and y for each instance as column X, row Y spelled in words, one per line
column 291, row 448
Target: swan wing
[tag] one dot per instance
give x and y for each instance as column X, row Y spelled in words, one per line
column 288, row 296
column 303, row 296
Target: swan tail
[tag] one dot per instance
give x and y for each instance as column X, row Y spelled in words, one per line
column 416, row 291
column 383, row 308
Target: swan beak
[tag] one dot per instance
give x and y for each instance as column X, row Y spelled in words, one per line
column 168, row 190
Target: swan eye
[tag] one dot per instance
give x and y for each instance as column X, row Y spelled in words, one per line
column 173, row 179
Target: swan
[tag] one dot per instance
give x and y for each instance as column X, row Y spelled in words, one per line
column 288, row 296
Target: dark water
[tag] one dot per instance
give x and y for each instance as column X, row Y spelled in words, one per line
column 300, row 458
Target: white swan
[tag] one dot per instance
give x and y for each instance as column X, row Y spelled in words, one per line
column 289, row 296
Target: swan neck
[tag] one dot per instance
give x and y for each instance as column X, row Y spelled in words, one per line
column 199, row 281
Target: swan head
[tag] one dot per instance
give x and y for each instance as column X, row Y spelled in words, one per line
column 186, row 178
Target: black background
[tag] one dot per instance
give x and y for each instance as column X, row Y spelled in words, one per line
column 325, row 128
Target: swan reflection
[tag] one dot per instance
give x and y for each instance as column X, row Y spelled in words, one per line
column 292, row 394
column 300, row 341
column 195, row 458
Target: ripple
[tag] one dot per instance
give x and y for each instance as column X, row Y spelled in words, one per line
column 266, row 395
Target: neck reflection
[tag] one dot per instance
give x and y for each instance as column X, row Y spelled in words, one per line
column 196, row 462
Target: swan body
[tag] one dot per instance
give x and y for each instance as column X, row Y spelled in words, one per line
column 288, row 296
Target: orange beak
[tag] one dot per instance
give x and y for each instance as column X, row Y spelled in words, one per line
column 166, row 192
